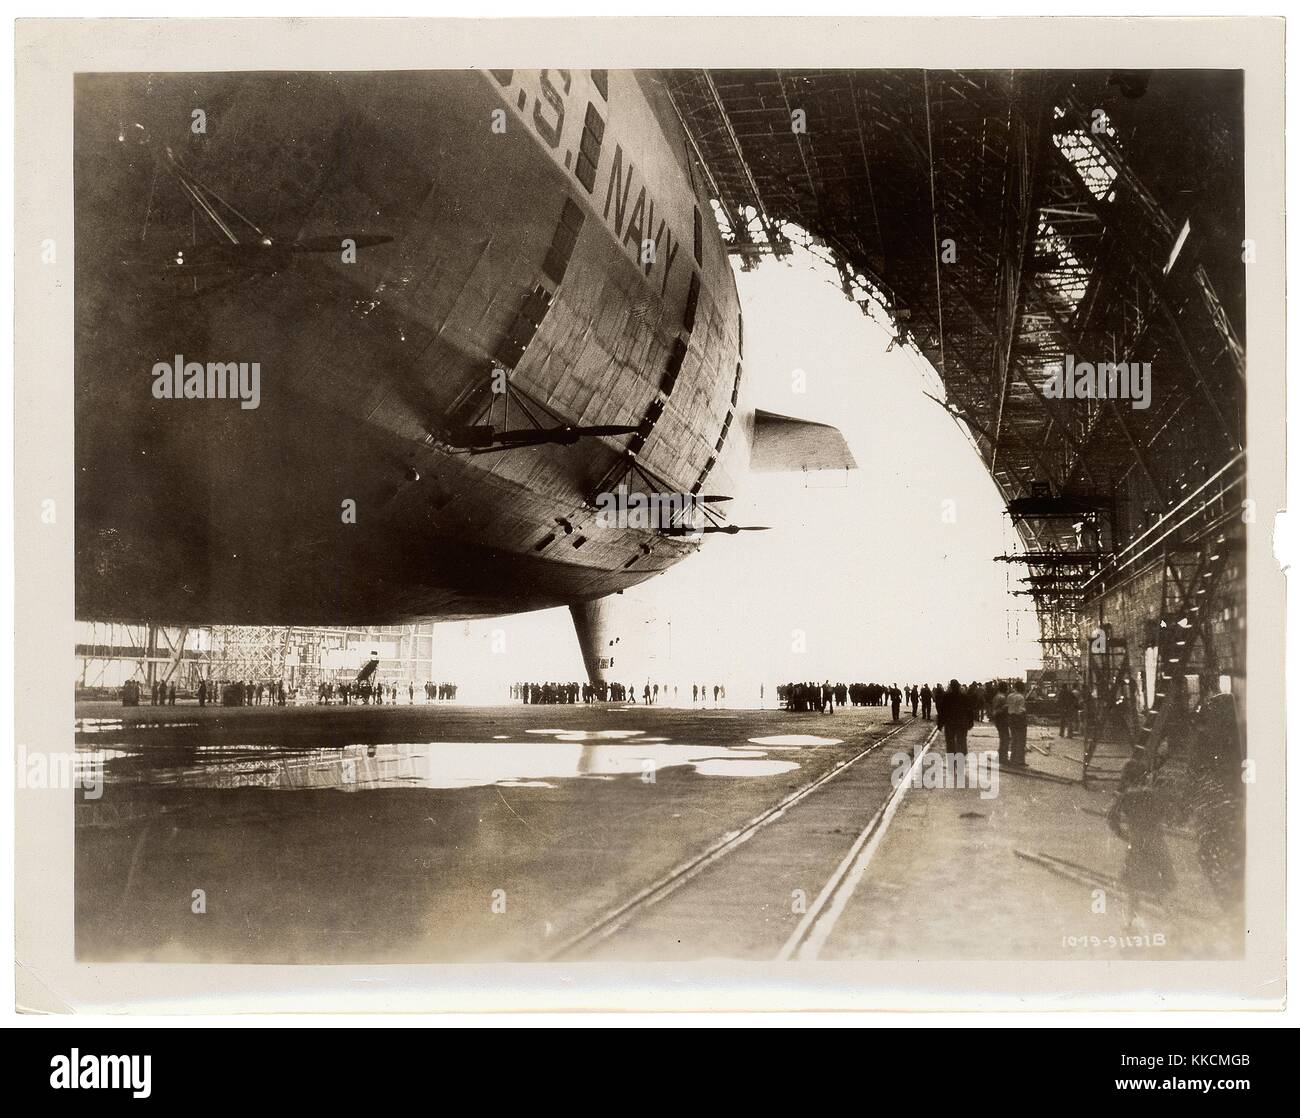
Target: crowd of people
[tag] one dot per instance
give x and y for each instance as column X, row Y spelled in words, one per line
column 956, row 707
column 379, row 693
column 537, row 693
column 602, row 692
column 244, row 692
column 160, row 694
column 826, row 696
column 813, row 696
column 959, row 706
column 247, row 692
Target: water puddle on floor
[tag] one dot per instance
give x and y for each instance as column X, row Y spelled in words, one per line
column 97, row 725
column 109, row 725
column 795, row 741
column 567, row 755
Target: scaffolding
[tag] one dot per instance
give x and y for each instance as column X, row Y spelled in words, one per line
column 1015, row 227
column 307, row 656
column 111, row 653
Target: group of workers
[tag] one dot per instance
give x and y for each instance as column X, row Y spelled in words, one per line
column 247, row 692
column 958, row 707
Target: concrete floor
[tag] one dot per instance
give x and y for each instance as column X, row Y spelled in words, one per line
column 451, row 833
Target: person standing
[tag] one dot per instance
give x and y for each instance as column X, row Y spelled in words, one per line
column 926, row 698
column 1069, row 709
column 895, row 698
column 955, row 718
column 1017, row 723
column 1000, row 723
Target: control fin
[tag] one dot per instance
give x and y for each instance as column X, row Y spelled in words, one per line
column 782, row 442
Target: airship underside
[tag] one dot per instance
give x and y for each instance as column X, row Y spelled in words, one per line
column 357, row 348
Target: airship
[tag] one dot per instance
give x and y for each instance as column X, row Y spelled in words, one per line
column 365, row 348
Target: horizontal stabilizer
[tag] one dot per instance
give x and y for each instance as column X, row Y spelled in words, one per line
column 784, row 443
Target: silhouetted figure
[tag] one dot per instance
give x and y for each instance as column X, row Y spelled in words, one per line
column 1138, row 817
column 1017, row 722
column 955, row 718
column 1068, row 706
column 999, row 709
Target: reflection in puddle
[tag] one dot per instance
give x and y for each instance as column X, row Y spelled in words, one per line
column 97, row 725
column 591, row 735
column 796, row 740
column 95, row 758
column 440, row 764
column 106, row 725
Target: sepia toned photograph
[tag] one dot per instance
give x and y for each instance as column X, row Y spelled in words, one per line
column 755, row 514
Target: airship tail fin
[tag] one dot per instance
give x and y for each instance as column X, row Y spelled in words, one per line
column 782, row 442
